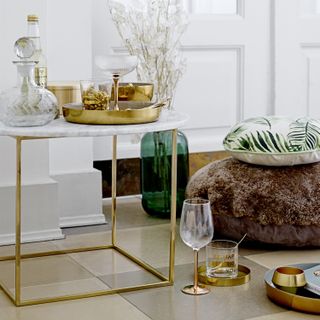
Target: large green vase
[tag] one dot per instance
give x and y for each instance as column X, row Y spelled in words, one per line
column 156, row 151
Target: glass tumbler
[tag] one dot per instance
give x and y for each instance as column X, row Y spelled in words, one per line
column 222, row 259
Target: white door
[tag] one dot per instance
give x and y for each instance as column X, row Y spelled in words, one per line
column 228, row 60
column 297, row 57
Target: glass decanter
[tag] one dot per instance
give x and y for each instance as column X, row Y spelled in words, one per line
column 27, row 104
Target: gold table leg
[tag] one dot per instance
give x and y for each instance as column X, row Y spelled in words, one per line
column 18, row 224
column 173, row 204
column 114, row 188
column 163, row 280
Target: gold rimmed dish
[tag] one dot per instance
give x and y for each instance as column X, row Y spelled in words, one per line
column 303, row 300
column 242, row 277
column 131, row 112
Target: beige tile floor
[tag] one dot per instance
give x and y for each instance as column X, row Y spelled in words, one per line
column 147, row 238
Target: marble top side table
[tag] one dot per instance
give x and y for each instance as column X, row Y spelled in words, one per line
column 60, row 128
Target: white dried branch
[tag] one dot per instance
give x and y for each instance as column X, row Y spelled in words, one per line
column 151, row 30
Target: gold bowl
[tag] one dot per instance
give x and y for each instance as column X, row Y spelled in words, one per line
column 135, row 91
column 289, row 279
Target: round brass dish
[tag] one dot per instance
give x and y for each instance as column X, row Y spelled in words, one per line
column 242, row 278
column 129, row 113
column 302, row 301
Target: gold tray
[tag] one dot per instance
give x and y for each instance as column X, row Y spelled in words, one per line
column 130, row 112
column 304, row 300
column 242, row 278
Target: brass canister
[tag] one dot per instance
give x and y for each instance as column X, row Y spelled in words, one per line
column 66, row 92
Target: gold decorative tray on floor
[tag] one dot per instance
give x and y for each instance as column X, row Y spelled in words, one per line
column 242, row 278
column 304, row 300
column 131, row 112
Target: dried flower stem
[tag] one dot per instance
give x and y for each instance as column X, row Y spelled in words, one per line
column 151, row 30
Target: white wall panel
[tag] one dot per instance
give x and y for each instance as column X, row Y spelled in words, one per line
column 13, row 24
column 69, row 39
column 212, row 79
column 297, row 46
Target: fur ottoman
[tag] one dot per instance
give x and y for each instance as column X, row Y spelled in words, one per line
column 276, row 205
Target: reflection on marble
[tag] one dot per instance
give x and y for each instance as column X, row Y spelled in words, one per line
column 43, row 270
column 98, row 308
column 28, row 248
column 104, row 262
column 131, row 278
column 62, row 288
column 289, row 315
column 221, row 303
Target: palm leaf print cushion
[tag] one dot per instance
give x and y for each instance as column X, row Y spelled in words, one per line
column 275, row 141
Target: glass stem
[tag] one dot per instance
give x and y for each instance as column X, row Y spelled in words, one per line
column 116, row 78
column 195, row 283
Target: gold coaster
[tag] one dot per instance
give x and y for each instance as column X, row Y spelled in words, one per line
column 242, row 278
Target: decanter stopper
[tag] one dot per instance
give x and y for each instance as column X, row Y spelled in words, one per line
column 24, row 48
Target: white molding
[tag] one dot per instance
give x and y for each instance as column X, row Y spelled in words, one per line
column 310, row 45
column 211, row 47
column 33, row 236
column 79, row 198
column 240, row 83
column 108, row 201
column 82, row 220
column 241, row 11
column 308, row 86
column 305, row 47
column 272, row 90
column 239, row 49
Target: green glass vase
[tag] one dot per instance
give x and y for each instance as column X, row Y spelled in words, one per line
column 156, row 151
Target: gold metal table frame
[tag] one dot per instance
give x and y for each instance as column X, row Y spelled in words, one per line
column 163, row 280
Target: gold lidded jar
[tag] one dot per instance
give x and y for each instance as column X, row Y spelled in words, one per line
column 65, row 92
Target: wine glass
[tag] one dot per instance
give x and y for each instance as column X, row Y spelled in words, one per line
column 196, row 231
column 118, row 65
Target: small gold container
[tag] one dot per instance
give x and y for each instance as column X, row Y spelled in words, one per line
column 289, row 279
column 135, row 91
column 65, row 92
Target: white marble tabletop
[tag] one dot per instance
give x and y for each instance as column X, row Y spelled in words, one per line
column 61, row 128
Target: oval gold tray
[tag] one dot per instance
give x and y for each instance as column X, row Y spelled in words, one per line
column 131, row 112
column 304, row 300
column 242, row 278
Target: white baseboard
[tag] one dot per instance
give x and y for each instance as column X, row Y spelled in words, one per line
column 79, row 198
column 33, row 236
column 82, row 220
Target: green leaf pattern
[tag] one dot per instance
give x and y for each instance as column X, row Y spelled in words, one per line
column 259, row 135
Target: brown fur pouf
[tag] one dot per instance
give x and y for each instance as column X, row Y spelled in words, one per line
column 278, row 205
